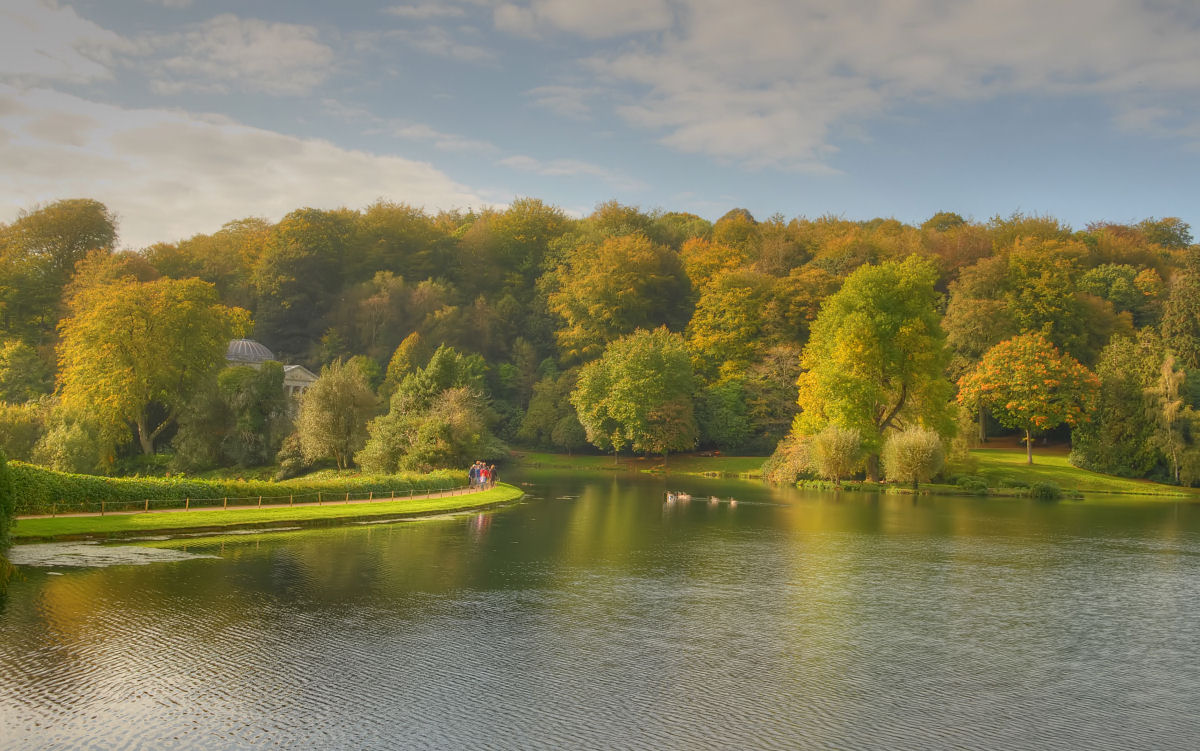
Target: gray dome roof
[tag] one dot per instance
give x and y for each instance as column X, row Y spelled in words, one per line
column 247, row 350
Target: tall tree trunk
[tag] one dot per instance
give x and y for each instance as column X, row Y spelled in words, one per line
column 982, row 425
column 1028, row 448
column 873, row 467
column 145, row 437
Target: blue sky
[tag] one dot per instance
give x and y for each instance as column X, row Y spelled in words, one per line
column 184, row 114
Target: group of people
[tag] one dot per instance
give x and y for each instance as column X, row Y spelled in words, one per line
column 482, row 475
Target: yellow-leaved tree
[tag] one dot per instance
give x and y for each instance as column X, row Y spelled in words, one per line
column 132, row 353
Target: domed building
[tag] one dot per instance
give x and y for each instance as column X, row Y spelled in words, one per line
column 249, row 353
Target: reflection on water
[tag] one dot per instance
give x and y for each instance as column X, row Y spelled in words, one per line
column 599, row 615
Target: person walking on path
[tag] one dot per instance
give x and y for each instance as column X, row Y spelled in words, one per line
column 473, row 475
column 492, row 475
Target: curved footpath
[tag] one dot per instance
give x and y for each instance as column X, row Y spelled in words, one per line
column 125, row 524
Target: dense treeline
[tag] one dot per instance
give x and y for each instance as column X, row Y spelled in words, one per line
column 442, row 336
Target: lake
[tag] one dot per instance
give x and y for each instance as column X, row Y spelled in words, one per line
column 595, row 615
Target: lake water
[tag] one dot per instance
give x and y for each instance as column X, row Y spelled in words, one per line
column 593, row 615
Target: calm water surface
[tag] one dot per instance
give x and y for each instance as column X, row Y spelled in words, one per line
column 595, row 616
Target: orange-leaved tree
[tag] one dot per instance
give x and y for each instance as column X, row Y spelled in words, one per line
column 1028, row 384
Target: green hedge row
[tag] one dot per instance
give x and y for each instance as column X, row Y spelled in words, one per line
column 43, row 491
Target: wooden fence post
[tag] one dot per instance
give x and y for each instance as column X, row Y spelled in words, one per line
column 187, row 503
column 290, row 499
column 260, row 501
column 147, row 504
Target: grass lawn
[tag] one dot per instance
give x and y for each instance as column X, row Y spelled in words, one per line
column 1007, row 467
column 174, row 521
column 681, row 464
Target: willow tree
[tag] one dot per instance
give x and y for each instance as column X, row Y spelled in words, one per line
column 134, row 353
column 877, row 356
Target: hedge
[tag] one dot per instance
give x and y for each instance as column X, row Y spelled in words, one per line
column 38, row 490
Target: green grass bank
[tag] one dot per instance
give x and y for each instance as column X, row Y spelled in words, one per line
column 124, row 525
column 1002, row 470
column 682, row 464
column 38, row 490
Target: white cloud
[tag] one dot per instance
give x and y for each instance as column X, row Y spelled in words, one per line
column 171, row 3
column 230, row 52
column 171, row 174
column 435, row 40
column 572, row 168
column 440, row 140
column 425, row 11
column 763, row 82
column 596, row 20
column 568, row 101
column 41, row 42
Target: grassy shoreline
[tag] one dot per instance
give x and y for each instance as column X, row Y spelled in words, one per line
column 681, row 464
column 1003, row 469
column 43, row 529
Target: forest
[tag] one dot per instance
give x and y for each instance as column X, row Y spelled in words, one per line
column 842, row 346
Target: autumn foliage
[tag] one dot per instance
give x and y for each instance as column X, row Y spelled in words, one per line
column 1028, row 384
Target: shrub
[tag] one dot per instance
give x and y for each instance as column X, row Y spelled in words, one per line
column 788, row 462
column 7, row 503
column 73, row 443
column 835, row 452
column 973, row 485
column 913, row 456
column 1045, row 491
column 291, row 459
column 39, row 490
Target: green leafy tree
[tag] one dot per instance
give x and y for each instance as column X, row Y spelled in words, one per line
column 133, row 353
column 639, row 394
column 447, row 368
column 410, row 355
column 1170, row 412
column 451, row 431
column 38, row 253
column 1120, row 437
column 1181, row 314
column 74, row 441
column 877, row 357
column 23, row 375
column 21, row 425
column 550, row 407
column 258, row 405
column 835, row 452
column 609, row 290
column 723, row 416
column 297, row 275
column 1028, row 384
column 913, row 455
column 332, row 422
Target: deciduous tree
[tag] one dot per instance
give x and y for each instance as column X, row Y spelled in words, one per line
column 639, row 394
column 1028, row 384
column 332, row 422
column 129, row 346
column 877, row 356
column 606, row 291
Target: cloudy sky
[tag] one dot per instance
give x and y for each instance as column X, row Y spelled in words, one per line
column 184, row 114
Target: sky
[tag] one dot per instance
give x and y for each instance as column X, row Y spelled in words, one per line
column 181, row 115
